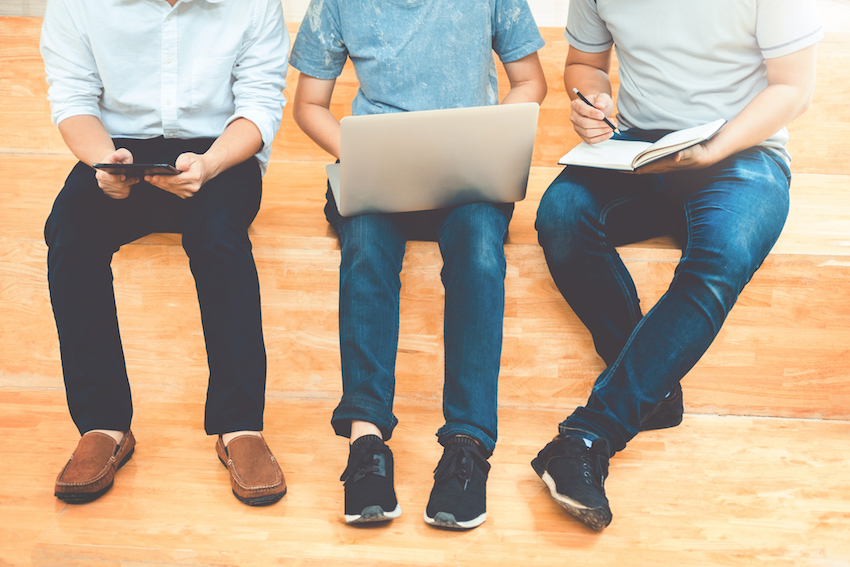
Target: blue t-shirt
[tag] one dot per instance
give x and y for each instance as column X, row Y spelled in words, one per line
column 415, row 54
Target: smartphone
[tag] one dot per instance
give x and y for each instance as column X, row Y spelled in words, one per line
column 137, row 169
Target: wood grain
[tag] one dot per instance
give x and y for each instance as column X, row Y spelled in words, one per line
column 757, row 473
column 732, row 491
column 817, row 138
column 783, row 351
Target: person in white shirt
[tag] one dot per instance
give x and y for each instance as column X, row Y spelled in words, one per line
column 193, row 83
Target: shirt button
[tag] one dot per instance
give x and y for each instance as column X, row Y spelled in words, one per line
column 168, row 102
column 168, row 60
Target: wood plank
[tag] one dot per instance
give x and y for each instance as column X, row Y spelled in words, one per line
column 782, row 352
column 818, row 138
column 735, row 491
column 294, row 197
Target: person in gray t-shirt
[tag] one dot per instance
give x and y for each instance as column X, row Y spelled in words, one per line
column 681, row 64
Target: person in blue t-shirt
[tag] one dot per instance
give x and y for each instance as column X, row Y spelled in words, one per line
column 416, row 55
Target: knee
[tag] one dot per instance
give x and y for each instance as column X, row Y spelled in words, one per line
column 216, row 237
column 476, row 244
column 478, row 258
column 70, row 235
column 560, row 214
column 370, row 250
column 723, row 269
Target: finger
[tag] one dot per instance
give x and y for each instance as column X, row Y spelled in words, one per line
column 600, row 137
column 603, row 101
column 596, row 130
column 121, row 155
column 185, row 161
column 581, row 109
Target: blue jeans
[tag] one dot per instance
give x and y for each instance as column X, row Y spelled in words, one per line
column 730, row 216
column 471, row 239
column 86, row 228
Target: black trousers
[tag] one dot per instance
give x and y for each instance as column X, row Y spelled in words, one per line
column 86, row 228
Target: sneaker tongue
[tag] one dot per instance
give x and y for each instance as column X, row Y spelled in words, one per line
column 587, row 442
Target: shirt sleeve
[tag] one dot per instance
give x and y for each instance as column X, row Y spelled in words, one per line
column 515, row 33
column 260, row 72
column 319, row 49
column 586, row 30
column 786, row 26
column 74, row 84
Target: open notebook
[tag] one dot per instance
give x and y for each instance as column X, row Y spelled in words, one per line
column 628, row 155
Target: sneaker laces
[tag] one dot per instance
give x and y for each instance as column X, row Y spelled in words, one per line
column 592, row 461
column 364, row 459
column 594, row 465
column 459, row 460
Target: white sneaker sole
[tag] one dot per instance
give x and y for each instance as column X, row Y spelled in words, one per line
column 373, row 514
column 596, row 518
column 446, row 520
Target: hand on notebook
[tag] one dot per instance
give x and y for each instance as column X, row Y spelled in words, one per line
column 588, row 120
column 695, row 157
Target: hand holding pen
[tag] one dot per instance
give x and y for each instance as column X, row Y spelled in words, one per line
column 589, row 117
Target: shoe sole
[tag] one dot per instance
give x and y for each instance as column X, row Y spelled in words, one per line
column 447, row 520
column 257, row 500
column 595, row 518
column 373, row 514
column 85, row 497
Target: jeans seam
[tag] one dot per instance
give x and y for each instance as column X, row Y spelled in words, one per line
column 624, row 289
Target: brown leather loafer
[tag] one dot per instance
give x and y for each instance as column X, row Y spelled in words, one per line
column 91, row 469
column 255, row 476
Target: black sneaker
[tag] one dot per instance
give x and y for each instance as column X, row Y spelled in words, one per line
column 459, row 497
column 369, row 492
column 666, row 413
column 575, row 475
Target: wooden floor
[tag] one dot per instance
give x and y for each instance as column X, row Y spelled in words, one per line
column 715, row 491
column 759, row 472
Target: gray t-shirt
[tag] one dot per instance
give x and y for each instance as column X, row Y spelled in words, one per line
column 689, row 62
column 415, row 54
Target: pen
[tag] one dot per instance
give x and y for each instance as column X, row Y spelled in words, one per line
column 608, row 122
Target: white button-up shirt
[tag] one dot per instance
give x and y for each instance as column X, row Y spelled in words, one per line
column 147, row 69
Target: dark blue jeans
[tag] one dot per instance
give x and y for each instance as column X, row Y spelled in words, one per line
column 86, row 228
column 730, row 216
column 471, row 239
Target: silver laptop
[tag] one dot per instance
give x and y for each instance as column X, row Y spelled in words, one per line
column 416, row 161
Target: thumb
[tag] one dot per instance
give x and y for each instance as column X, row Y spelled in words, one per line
column 121, row 155
column 185, row 161
column 603, row 102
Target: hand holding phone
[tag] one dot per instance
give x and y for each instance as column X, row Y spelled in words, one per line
column 117, row 185
column 137, row 169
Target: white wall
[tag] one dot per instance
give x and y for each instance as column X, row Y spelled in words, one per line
column 834, row 14
column 546, row 12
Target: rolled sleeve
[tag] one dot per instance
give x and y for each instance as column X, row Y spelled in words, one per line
column 515, row 32
column 260, row 74
column 74, row 85
column 319, row 50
